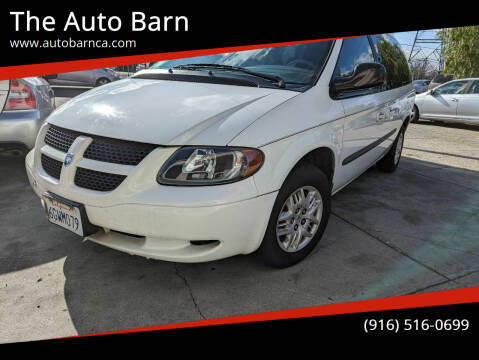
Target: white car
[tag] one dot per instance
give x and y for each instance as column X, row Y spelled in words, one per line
column 204, row 158
column 454, row 101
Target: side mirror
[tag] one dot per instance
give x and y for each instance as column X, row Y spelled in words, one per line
column 365, row 75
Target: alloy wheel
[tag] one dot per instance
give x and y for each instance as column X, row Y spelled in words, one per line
column 299, row 219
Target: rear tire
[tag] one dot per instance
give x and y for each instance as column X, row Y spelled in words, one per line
column 306, row 198
column 390, row 162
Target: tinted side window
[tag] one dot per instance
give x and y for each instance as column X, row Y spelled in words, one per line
column 474, row 88
column 393, row 59
column 455, row 87
column 353, row 52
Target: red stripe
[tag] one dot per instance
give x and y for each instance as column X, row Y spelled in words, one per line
column 448, row 297
column 21, row 71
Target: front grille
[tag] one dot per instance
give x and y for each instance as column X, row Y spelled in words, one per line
column 96, row 180
column 60, row 139
column 102, row 148
column 51, row 166
column 117, row 151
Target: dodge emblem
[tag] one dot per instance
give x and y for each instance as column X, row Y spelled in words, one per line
column 68, row 159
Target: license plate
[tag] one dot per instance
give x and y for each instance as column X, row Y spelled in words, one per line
column 64, row 215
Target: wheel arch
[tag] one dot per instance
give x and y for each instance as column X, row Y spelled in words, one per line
column 101, row 78
column 323, row 158
column 282, row 159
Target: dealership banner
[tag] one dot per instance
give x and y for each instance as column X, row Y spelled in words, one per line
column 451, row 315
column 85, row 37
column 444, row 313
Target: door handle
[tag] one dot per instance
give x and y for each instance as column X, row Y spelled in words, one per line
column 381, row 116
column 454, row 99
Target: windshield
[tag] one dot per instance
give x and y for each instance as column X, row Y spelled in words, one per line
column 295, row 64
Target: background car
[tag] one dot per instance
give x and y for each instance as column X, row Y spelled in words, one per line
column 439, row 79
column 454, row 101
column 4, row 89
column 28, row 103
column 96, row 77
column 421, row 85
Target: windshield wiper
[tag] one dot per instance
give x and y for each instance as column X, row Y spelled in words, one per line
column 273, row 78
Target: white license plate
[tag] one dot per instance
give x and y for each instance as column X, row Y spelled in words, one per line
column 66, row 216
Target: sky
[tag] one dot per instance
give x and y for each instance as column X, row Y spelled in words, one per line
column 406, row 39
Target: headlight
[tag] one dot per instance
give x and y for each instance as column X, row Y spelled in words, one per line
column 209, row 165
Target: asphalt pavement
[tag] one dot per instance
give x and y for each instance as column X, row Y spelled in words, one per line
column 412, row 231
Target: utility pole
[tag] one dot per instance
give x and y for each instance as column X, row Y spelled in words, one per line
column 426, row 51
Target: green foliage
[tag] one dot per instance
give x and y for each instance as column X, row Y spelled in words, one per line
column 461, row 46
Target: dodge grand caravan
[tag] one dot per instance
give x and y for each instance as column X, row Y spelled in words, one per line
column 203, row 158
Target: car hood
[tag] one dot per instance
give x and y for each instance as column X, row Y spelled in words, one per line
column 168, row 112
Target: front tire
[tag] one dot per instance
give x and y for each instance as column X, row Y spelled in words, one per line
column 298, row 219
column 102, row 81
column 415, row 116
column 390, row 162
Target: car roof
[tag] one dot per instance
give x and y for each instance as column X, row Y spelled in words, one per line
column 462, row 79
column 451, row 81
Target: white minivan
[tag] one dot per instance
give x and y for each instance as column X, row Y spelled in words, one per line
column 203, row 158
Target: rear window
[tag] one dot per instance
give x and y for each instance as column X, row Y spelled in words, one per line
column 392, row 57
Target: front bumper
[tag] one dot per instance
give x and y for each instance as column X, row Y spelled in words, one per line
column 144, row 218
column 20, row 126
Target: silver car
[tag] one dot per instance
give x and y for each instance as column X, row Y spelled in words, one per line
column 96, row 77
column 26, row 103
column 454, row 101
column 420, row 85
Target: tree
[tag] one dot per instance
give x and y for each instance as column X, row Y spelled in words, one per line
column 461, row 50
column 421, row 69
